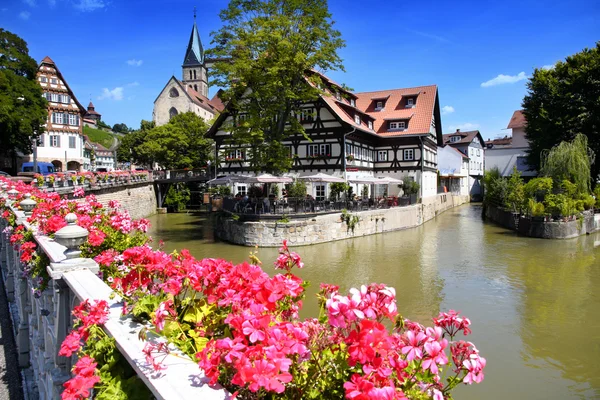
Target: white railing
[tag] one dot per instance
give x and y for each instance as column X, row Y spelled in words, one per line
column 41, row 322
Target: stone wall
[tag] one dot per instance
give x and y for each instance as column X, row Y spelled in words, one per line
column 138, row 198
column 326, row 228
column 544, row 229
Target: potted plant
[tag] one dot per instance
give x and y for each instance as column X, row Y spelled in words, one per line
column 39, row 179
column 410, row 189
column 51, row 180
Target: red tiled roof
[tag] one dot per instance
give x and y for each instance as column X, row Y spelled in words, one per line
column 47, row 60
column 394, row 109
column 459, row 152
column 467, row 137
column 505, row 141
column 517, row 120
column 216, row 101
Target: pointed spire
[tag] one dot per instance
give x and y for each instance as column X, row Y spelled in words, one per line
column 194, row 54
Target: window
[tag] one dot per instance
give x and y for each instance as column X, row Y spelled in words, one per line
column 190, row 75
column 194, row 74
column 54, row 141
column 478, row 153
column 454, row 139
column 409, row 154
column 306, row 114
column 66, row 99
column 173, row 112
column 401, row 125
column 382, row 155
column 319, row 150
column 353, row 102
column 72, row 142
column 410, row 102
column 173, row 92
column 54, row 81
column 241, row 190
column 348, row 148
column 236, row 155
column 57, row 118
column 40, row 141
column 43, row 79
column 357, row 118
column 338, row 96
column 319, row 192
column 370, row 124
column 195, row 86
column 379, row 105
column 54, row 97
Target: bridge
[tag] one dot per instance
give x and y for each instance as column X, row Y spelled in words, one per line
column 164, row 179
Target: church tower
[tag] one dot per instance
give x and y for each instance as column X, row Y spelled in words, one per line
column 194, row 66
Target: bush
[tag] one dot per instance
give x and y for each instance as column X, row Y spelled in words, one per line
column 220, row 191
column 597, row 195
column 297, row 189
column 409, row 187
column 538, row 188
column 178, row 196
column 336, row 189
column 255, row 191
column 536, row 209
column 515, row 195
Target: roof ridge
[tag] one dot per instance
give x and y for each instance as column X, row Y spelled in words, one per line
column 391, row 90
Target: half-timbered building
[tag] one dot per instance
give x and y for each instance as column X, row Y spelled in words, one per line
column 62, row 143
column 353, row 135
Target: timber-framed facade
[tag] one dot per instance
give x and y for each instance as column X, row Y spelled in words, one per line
column 351, row 137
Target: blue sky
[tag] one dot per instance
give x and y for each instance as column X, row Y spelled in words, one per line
column 121, row 53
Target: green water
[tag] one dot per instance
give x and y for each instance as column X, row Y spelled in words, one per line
column 534, row 304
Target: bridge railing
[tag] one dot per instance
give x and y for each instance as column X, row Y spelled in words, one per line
column 41, row 321
column 183, row 174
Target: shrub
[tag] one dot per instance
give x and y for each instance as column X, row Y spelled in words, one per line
column 297, row 189
column 336, row 189
column 536, row 209
column 538, row 188
column 409, row 187
column 515, row 195
column 178, row 196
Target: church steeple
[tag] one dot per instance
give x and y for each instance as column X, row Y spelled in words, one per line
column 194, row 69
column 194, row 54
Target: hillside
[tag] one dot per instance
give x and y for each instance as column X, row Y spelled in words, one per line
column 104, row 138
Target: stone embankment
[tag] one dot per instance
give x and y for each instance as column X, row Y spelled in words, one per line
column 330, row 227
column 139, row 199
column 544, row 229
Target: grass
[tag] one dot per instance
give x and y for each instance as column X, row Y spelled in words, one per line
column 98, row 136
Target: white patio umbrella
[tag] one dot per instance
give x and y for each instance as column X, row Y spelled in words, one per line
column 267, row 178
column 368, row 180
column 388, row 180
column 321, row 177
column 226, row 180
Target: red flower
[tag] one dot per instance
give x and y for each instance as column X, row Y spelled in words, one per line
column 70, row 345
column 96, row 237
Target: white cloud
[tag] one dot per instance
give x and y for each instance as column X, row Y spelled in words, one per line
column 30, row 3
column 550, row 66
column 24, row 15
column 503, row 79
column 447, row 110
column 467, row 126
column 89, row 5
column 114, row 94
column 135, row 63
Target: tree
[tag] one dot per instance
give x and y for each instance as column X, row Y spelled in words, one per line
column 122, row 128
column 569, row 161
column 563, row 102
column 23, row 110
column 263, row 53
column 127, row 151
column 179, row 144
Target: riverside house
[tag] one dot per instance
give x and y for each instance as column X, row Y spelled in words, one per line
column 472, row 145
column 62, row 143
column 353, row 135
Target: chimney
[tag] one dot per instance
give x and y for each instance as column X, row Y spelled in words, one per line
column 457, row 130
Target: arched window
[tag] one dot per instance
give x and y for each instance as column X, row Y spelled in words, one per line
column 194, row 74
column 196, row 88
column 173, row 93
column 190, row 75
column 172, row 112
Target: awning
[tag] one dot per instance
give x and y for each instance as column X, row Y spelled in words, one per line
column 321, row 177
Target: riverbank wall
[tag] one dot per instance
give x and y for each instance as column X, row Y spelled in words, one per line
column 544, row 229
column 139, row 199
column 330, row 227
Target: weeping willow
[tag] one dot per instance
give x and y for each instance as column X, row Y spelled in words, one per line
column 570, row 161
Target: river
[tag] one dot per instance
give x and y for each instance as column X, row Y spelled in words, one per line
column 534, row 304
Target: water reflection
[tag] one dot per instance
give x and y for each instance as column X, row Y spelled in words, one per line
column 534, row 303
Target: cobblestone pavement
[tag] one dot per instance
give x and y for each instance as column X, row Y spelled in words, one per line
column 10, row 376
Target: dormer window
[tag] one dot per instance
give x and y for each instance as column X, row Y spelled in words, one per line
column 454, row 139
column 357, row 119
column 410, row 102
column 379, row 106
column 370, row 124
column 353, row 102
column 338, row 96
column 397, row 126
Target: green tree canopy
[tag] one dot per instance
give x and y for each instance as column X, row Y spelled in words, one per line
column 122, row 128
column 563, row 102
column 265, row 48
column 23, row 110
column 179, row 144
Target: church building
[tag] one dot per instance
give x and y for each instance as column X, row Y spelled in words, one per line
column 191, row 92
